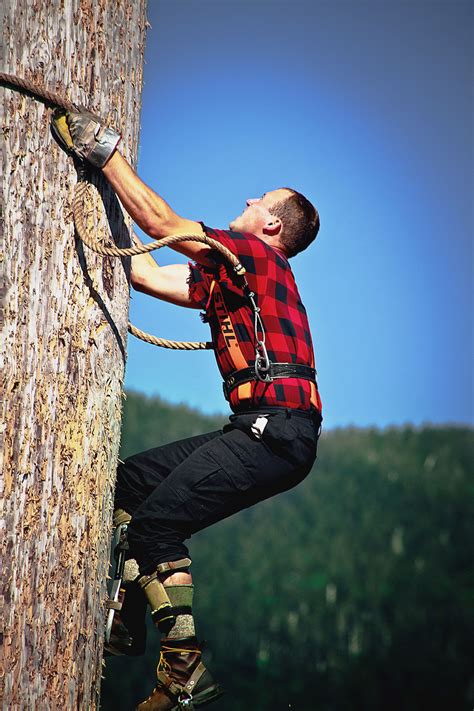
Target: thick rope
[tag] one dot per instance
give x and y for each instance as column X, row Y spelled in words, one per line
column 80, row 220
column 176, row 345
column 52, row 99
column 38, row 92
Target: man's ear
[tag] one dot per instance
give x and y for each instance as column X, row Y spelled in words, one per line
column 273, row 227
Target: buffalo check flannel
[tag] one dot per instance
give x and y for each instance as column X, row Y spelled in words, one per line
column 288, row 338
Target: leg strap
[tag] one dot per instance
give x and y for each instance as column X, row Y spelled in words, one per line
column 114, row 605
column 162, row 611
column 161, row 608
column 182, row 694
column 121, row 516
column 194, row 678
column 167, row 683
column 174, row 565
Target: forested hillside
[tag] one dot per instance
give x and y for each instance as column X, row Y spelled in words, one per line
column 351, row 592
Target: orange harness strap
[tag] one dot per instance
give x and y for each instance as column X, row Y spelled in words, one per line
column 244, row 391
column 314, row 398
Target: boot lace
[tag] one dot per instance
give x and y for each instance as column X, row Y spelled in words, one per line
column 164, row 665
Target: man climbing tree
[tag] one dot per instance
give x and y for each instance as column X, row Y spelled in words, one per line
column 264, row 352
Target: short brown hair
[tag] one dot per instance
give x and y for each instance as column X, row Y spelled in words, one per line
column 300, row 221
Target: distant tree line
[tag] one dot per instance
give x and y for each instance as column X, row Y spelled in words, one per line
column 351, row 592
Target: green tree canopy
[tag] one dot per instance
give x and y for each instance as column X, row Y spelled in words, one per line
column 352, row 591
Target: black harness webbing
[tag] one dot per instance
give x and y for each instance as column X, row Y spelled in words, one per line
column 275, row 372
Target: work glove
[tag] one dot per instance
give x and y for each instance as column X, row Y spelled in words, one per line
column 83, row 133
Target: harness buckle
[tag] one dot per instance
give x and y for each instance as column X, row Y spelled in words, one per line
column 262, row 363
column 262, row 366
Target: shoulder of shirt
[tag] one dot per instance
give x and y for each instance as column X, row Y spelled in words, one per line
column 247, row 237
column 235, row 236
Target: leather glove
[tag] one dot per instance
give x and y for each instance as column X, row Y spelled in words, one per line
column 82, row 133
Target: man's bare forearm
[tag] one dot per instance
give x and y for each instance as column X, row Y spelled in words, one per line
column 146, row 208
column 141, row 263
column 150, row 211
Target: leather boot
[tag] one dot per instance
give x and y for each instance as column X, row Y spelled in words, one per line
column 128, row 634
column 184, row 683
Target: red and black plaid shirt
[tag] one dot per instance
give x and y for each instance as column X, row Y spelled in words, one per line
column 288, row 338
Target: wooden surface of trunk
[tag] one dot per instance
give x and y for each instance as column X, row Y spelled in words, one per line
column 64, row 332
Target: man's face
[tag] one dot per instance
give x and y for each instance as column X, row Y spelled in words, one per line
column 257, row 215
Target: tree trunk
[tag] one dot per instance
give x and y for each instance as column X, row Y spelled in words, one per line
column 64, row 327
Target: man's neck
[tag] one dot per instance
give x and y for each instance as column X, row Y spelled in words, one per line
column 274, row 242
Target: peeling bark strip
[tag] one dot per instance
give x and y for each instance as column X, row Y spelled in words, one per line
column 63, row 331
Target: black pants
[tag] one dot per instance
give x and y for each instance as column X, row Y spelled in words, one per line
column 176, row 490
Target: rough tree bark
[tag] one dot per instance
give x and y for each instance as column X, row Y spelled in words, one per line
column 64, row 326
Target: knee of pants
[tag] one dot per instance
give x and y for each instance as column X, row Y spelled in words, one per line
column 122, row 480
column 122, row 474
column 125, row 489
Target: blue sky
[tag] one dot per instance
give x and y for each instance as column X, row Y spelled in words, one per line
column 366, row 108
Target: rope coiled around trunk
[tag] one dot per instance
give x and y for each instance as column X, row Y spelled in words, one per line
column 52, row 100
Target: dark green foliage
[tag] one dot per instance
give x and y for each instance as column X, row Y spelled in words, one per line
column 149, row 422
column 353, row 591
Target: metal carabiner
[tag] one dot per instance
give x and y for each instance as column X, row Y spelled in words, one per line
column 185, row 703
column 262, row 363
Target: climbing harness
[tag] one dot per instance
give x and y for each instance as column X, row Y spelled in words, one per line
column 260, row 369
column 263, row 369
column 275, row 371
column 80, row 217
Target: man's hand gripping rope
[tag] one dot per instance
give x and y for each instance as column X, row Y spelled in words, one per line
column 83, row 134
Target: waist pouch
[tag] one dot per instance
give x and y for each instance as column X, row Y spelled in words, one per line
column 291, row 434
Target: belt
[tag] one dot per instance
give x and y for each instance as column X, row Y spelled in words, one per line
column 288, row 411
column 276, row 371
